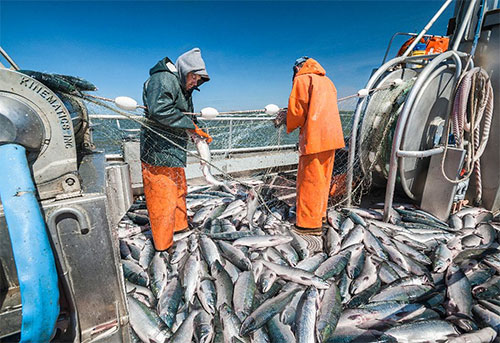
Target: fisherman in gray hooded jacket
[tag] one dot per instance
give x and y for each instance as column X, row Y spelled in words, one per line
column 167, row 95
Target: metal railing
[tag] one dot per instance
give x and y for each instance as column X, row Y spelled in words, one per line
column 4, row 54
column 229, row 119
column 402, row 34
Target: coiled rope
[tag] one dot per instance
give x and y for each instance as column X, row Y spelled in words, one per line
column 474, row 92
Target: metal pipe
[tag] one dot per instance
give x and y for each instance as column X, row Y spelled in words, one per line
column 228, row 113
column 482, row 9
column 356, row 119
column 421, row 57
column 253, row 149
column 390, row 42
column 426, row 28
column 401, row 124
column 230, row 134
column 420, row 154
column 10, row 60
column 119, row 157
column 35, row 265
column 137, row 117
column 102, row 98
column 239, row 118
column 112, row 116
column 465, row 22
column 125, row 130
column 401, row 161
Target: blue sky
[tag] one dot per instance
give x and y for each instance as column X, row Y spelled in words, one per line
column 248, row 47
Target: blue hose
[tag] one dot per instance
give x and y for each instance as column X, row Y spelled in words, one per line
column 35, row 264
column 482, row 7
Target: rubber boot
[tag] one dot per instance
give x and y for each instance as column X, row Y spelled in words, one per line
column 313, row 237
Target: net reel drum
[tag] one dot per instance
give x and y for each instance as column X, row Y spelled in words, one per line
column 423, row 131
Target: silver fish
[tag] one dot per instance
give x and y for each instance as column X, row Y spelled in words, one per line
column 244, row 292
column 230, row 325
column 442, row 259
column 223, row 284
column 207, row 295
column 169, row 302
column 204, row 152
column 266, row 311
column 289, row 313
column 458, row 291
column 233, row 208
column 179, row 251
column 279, row 332
column 258, row 242
column 423, row 331
column 305, row 321
column 485, row 335
column 300, row 245
column 329, row 313
column 252, row 204
column 146, row 323
column 147, row 254
column 235, row 255
column 297, row 275
column 134, row 273
column 190, row 277
column 158, row 274
column 186, row 330
column 354, row 237
column 209, row 251
column 141, row 293
column 311, row 263
column 205, row 329
column 367, row 277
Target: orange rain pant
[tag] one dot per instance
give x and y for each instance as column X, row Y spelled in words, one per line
column 165, row 189
column 313, row 185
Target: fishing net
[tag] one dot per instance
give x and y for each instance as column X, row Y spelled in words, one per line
column 271, row 153
column 253, row 134
column 374, row 138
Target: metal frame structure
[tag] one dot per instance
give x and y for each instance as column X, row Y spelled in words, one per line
column 230, row 119
column 8, row 59
column 402, row 34
column 403, row 118
column 436, row 59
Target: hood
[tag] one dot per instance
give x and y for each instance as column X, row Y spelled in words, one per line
column 163, row 65
column 191, row 61
column 311, row 67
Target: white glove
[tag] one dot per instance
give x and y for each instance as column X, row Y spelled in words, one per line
column 209, row 112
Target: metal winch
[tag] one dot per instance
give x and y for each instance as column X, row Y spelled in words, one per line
column 72, row 190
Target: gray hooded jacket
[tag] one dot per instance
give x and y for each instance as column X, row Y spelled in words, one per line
column 191, row 61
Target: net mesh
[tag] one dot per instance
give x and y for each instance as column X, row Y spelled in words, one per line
column 231, row 135
column 255, row 133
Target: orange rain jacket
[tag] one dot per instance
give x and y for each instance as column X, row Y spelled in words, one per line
column 312, row 106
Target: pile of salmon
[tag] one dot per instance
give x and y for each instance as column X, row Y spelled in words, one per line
column 241, row 275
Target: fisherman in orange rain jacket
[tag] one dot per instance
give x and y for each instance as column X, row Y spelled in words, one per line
column 312, row 107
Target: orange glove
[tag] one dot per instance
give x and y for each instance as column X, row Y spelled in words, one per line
column 202, row 134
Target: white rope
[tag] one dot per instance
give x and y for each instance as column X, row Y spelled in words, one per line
column 480, row 100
